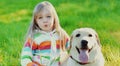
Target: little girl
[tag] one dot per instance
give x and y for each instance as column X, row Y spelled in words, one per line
column 46, row 41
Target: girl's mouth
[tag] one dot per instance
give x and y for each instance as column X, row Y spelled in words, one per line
column 46, row 25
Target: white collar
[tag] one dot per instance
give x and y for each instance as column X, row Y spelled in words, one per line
column 44, row 32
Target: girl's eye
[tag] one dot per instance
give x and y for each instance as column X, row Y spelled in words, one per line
column 48, row 16
column 40, row 17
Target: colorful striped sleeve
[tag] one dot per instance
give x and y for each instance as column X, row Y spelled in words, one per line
column 26, row 55
column 67, row 43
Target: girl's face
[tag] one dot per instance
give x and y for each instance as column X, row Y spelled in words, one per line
column 45, row 20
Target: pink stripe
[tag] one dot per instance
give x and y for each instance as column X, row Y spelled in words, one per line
column 58, row 46
column 27, row 44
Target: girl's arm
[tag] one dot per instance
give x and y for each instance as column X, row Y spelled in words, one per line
column 65, row 54
column 26, row 55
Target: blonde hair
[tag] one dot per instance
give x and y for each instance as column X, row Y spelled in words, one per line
column 33, row 26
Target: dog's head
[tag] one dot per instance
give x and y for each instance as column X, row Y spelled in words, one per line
column 83, row 41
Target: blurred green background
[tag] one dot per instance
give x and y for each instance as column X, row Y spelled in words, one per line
column 101, row 15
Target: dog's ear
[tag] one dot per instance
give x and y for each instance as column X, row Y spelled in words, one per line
column 98, row 40
column 71, row 41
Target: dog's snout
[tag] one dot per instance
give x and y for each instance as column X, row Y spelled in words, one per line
column 84, row 44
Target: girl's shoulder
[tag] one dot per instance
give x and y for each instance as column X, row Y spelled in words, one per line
column 36, row 35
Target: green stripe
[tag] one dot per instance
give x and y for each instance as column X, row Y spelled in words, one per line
column 57, row 59
column 47, row 57
column 26, row 56
column 36, row 35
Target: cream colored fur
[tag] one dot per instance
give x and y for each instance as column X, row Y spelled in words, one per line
column 95, row 54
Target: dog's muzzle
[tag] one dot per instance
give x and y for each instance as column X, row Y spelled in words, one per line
column 83, row 55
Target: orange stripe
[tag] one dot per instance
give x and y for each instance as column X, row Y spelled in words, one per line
column 45, row 45
column 58, row 44
column 34, row 46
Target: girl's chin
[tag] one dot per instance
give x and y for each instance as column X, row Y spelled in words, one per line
column 47, row 30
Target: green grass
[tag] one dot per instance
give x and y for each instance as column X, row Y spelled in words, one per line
column 101, row 15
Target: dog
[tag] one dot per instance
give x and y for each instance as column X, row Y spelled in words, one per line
column 85, row 48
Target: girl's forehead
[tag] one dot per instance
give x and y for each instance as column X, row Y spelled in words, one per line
column 46, row 11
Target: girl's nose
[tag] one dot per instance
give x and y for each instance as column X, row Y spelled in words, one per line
column 45, row 20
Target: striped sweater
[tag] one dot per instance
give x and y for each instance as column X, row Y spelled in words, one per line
column 44, row 49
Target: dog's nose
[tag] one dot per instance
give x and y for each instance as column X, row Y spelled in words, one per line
column 84, row 44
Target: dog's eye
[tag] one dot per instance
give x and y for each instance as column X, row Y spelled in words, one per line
column 90, row 35
column 78, row 35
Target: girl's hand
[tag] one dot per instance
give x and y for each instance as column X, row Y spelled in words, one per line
column 31, row 64
column 34, row 64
